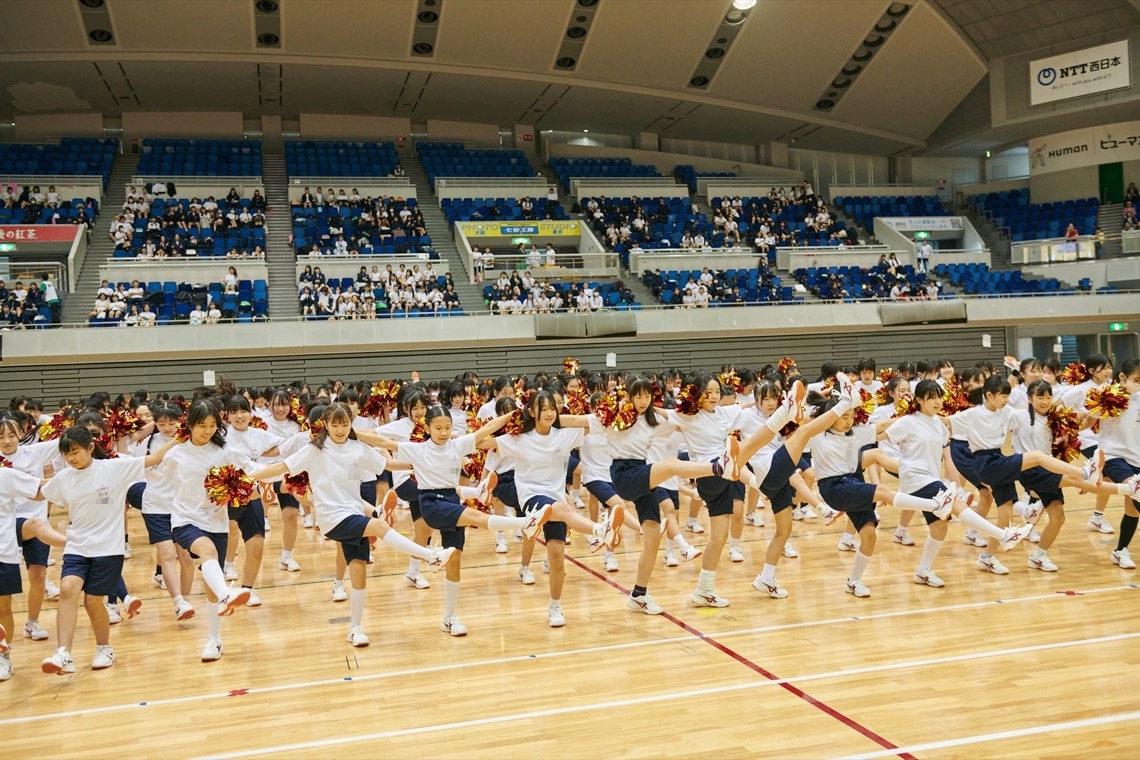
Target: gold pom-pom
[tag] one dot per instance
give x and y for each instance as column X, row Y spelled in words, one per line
column 228, row 486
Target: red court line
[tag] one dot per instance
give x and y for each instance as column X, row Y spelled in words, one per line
column 795, row 691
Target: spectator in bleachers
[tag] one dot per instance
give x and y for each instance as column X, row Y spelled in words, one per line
column 1098, row 242
column 308, row 302
column 197, row 315
column 135, row 294
column 1129, row 215
column 1132, row 195
column 901, row 290
column 132, row 318
column 147, row 317
column 102, row 308
column 1071, row 233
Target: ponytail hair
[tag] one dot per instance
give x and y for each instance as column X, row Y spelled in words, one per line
column 161, row 411
column 339, row 412
column 819, row 403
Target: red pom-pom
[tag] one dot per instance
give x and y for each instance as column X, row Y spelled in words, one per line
column 473, row 464
column 570, row 365
column 731, row 380
column 886, row 375
column 954, row 398
column 1065, row 429
column 864, row 408
column 1075, row 374
column 419, row 432
column 298, row 484
column 53, row 428
column 786, row 364
column 689, row 399
column 1107, row 401
column 228, row 486
column 257, row 422
column 4, row 463
column 906, row 405
column 576, row 401
column 315, row 429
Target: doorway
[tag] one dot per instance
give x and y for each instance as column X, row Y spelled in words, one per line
column 1112, row 183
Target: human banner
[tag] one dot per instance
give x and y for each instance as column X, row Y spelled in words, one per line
column 1085, row 147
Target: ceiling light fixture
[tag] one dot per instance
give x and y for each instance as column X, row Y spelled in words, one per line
column 743, row 5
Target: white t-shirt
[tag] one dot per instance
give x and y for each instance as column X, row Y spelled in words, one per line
column 335, row 473
column 160, row 483
column 871, row 387
column 16, row 487
column 1074, row 398
column 94, row 497
column 834, row 454
column 750, row 422
column 706, row 432
column 985, row 429
column 399, row 430
column 253, row 442
column 31, row 459
column 920, row 440
column 595, row 455
column 438, row 467
column 1030, row 436
column 190, row 505
column 1019, row 397
column 541, row 461
column 1120, row 437
column 635, row 441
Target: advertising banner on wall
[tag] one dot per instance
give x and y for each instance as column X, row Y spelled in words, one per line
column 1081, row 72
column 1085, row 147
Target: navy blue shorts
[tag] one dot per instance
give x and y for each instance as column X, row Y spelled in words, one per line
column 349, row 533
column 10, row 583
column 1119, row 470
column 775, row 487
column 1000, row 473
column 186, row 535
column 1087, row 451
column 683, row 456
column 386, row 477
column 441, row 510
column 719, row 494
column 572, row 465
column 552, row 530
column 135, row 495
column 505, row 490
column 285, row 500
column 250, row 519
column 101, row 575
column 368, row 492
column 157, row 528
column 1043, row 484
column 601, row 490
column 850, row 494
column 963, row 460
column 630, row 478
column 35, row 551
column 929, row 491
column 674, row 496
column 410, row 492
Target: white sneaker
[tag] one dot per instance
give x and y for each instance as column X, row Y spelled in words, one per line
column 555, row 616
column 828, row 514
column 643, row 603
column 578, row 503
column 944, row 501
column 1038, row 560
column 546, row 567
column 728, row 458
column 594, row 543
column 804, row 512
column 1014, row 535
column 339, row 594
column 267, row 528
column 991, row 565
column 690, row 553
column 613, row 522
column 707, row 599
column 973, row 538
column 357, row 637
column 610, row 563
column 453, row 626
column 289, row 564
column 212, row 651
column 113, row 613
column 526, row 577
column 415, row 580
column 51, row 591
column 755, row 519
column 231, row 574
column 1033, row 512
column 308, row 521
column 847, row 544
column 183, row 610
column 34, row 631
column 671, row 559
column 254, row 600
column 104, row 658
column 59, row 663
column 772, row 589
column 132, row 604
column 902, row 536
column 234, row 598
column 847, row 390
column 535, row 521
column 857, row 588
column 1100, row 525
column 693, row 526
column 1093, row 470
column 1034, row 537
column 1124, row 559
column 439, row 558
column 5, row 667
column 794, row 402
column 500, row 544
column 127, row 550
column 158, row 582
column 518, row 537
column 735, row 554
column 928, row 578
column 4, row 647
column 790, row 551
column 487, row 486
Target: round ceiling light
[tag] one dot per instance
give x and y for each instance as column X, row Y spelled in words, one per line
column 743, row 5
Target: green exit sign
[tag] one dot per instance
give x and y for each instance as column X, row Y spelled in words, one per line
column 7, row 247
column 921, row 235
column 1117, row 326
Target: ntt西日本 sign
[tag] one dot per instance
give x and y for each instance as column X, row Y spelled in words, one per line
column 1081, row 72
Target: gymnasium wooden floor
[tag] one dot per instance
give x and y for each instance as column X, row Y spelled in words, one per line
column 1028, row 665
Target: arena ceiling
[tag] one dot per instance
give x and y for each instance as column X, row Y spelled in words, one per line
column 867, row 76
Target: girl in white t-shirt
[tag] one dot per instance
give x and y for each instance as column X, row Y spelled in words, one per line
column 1120, row 441
column 283, row 426
column 336, row 461
column 15, row 487
column 94, row 490
column 438, row 463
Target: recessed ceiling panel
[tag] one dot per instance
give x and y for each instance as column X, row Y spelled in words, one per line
column 207, row 25
column 39, row 26
column 521, row 35
column 366, row 28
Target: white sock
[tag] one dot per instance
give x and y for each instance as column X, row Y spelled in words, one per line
column 848, row 538
column 574, row 494
column 860, row 564
column 929, row 553
column 214, row 577
column 668, row 544
column 450, row 597
column 356, row 599
column 972, row 519
column 414, row 565
column 609, row 554
column 707, row 580
column 467, row 492
column 681, row 543
column 402, row 543
column 1038, row 552
column 495, row 522
column 177, row 600
column 769, row 573
column 734, row 542
column 501, row 535
column 841, row 408
column 778, row 419
column 214, row 621
column 906, row 501
column 286, row 555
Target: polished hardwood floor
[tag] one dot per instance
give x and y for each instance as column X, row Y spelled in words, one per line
column 1024, row 665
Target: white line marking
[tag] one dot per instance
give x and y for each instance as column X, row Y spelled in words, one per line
column 753, row 684
column 563, row 653
column 1015, row 733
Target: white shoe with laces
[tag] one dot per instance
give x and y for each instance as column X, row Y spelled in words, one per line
column 113, row 614
column 454, row 626
column 643, row 603
column 254, row 600
column 339, row 594
column 51, row 591
column 973, row 538
column 554, row 615
column 439, row 558
column 500, row 544
column 805, row 512
column 415, row 580
column 755, row 519
column 183, row 610
column 858, row 588
column 60, row 663
column 693, row 526
column 526, row 577
column 847, row 544
column 519, row 537
column 1038, row 560
column 707, row 599
column 790, row 551
column 104, row 657
column 357, row 637
column 158, row 582
column 1014, row 535
column 828, row 514
column 690, row 553
column 5, row 667
column 728, row 458
column 902, row 536
column 771, row 588
column 546, row 567
column 234, row 598
column 928, row 578
column 1093, row 470
column 34, row 631
column 132, row 604
column 944, row 502
column 288, row 563
column 846, row 388
column 1100, row 525
column 1034, row 537
column 991, row 565
column 610, row 563
column 212, row 651
column 308, row 521
column 671, row 559
column 127, row 554
column 1122, row 558
column 735, row 554
column 535, row 521
column 231, row 574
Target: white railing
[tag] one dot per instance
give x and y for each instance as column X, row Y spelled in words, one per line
column 181, row 269
column 18, row 269
column 1130, row 241
column 478, row 187
column 713, row 187
column 1049, row 250
column 76, row 186
column 673, row 258
column 568, row 266
column 366, row 186
column 349, row 266
column 75, row 256
column 883, row 188
column 648, row 187
column 198, row 186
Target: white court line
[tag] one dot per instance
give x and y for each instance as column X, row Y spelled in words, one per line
column 522, row 658
column 1014, row 734
column 755, row 684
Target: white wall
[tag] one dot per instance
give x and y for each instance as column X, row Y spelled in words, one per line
column 664, row 162
column 824, row 168
column 953, row 171
column 221, row 124
column 1011, row 163
column 1067, row 185
column 322, row 126
column 51, row 127
column 481, row 135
